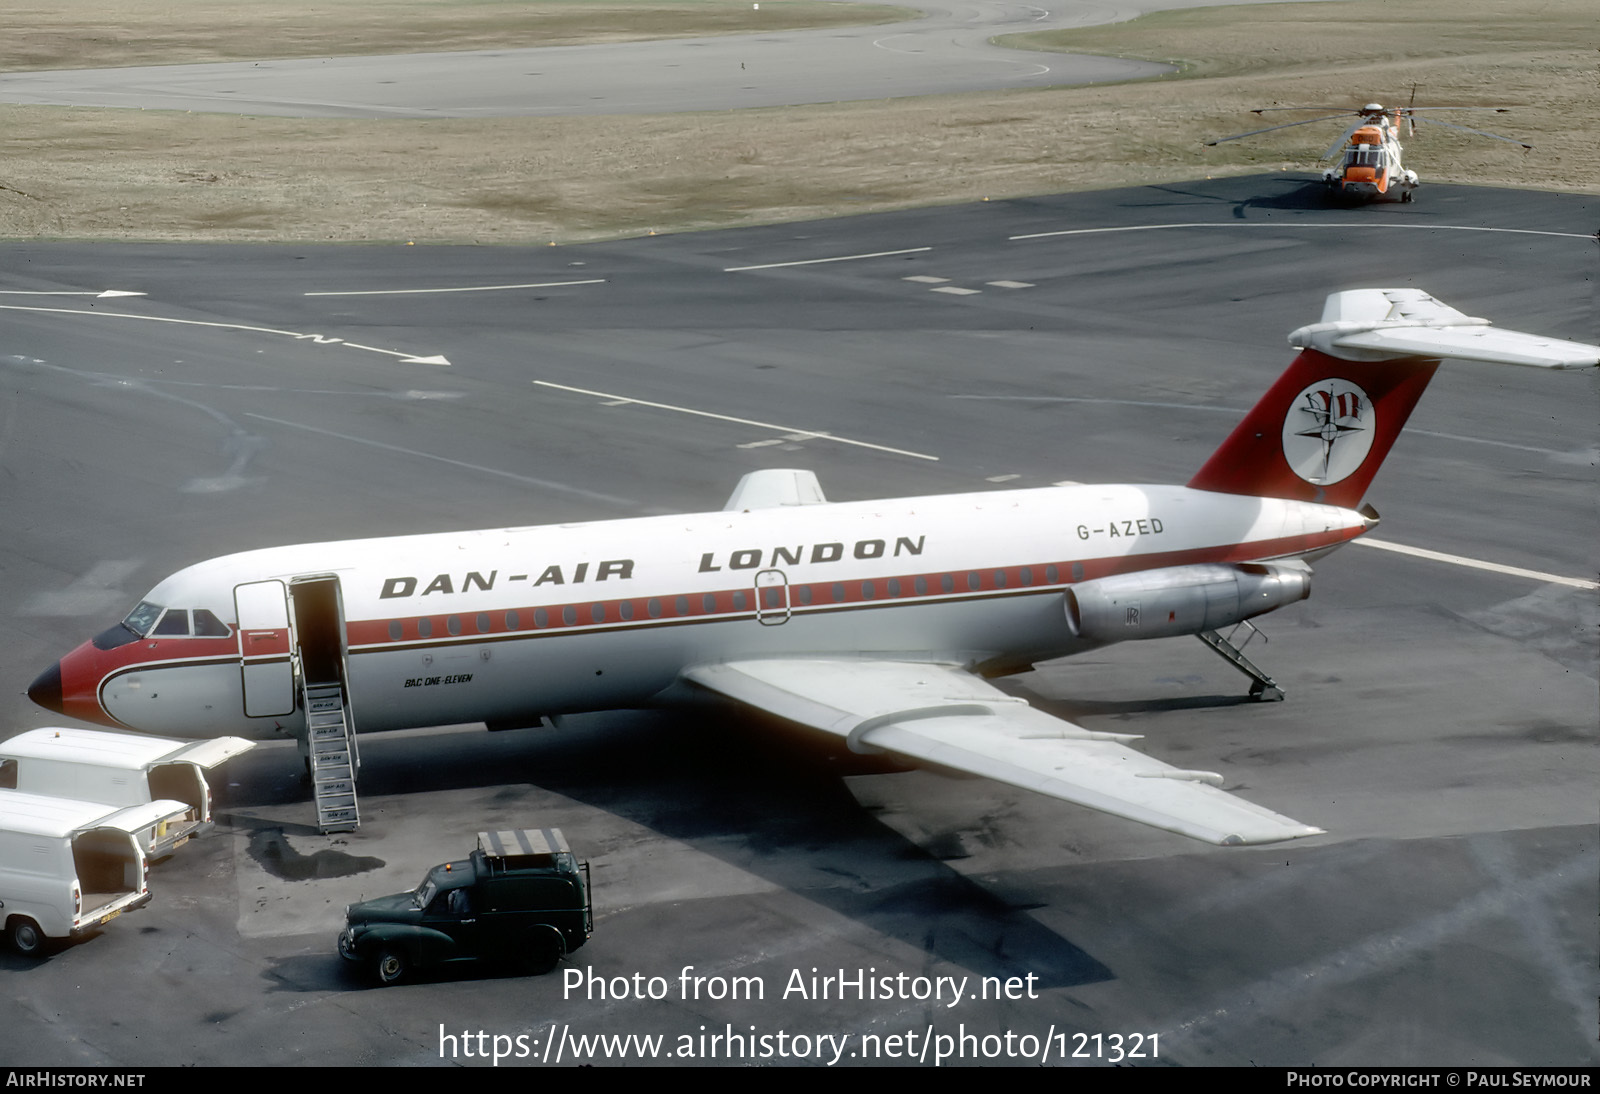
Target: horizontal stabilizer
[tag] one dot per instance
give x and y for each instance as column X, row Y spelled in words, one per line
column 943, row 715
column 1382, row 324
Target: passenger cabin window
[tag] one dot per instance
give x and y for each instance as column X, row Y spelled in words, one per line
column 8, row 774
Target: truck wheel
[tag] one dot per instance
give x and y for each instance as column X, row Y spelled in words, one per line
column 391, row 966
column 25, row 936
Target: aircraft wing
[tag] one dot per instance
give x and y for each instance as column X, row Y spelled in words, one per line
column 946, row 716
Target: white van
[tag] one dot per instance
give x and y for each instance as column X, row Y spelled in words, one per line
column 67, row 867
column 120, row 769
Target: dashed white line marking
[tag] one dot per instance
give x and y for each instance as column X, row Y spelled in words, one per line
column 926, row 279
column 790, row 431
column 1299, row 224
column 956, row 290
column 819, row 261
column 1010, row 284
column 1478, row 564
column 464, row 288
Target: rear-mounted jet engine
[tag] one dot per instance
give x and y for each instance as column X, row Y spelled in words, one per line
column 1181, row 599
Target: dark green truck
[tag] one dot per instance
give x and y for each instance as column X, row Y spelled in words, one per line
column 521, row 898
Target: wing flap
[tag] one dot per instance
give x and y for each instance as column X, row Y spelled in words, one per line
column 943, row 715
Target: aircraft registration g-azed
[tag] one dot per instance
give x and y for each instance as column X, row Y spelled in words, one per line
column 875, row 621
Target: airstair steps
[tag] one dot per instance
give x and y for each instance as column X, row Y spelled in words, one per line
column 333, row 758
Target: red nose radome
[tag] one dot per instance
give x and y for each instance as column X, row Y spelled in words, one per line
column 71, row 686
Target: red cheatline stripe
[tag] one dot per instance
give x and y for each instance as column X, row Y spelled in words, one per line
column 595, row 615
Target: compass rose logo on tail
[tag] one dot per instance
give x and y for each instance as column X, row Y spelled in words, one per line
column 1328, row 431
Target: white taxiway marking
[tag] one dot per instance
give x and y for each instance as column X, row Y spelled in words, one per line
column 818, row 261
column 1299, row 224
column 546, row 484
column 791, row 432
column 319, row 339
column 956, row 290
column 464, row 288
column 66, row 292
column 1478, row 564
column 1010, row 284
column 926, row 279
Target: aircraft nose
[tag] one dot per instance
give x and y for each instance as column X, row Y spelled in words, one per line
column 46, row 689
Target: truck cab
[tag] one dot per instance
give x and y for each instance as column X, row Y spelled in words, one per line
column 521, row 897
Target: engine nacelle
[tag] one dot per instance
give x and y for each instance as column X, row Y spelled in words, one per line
column 1181, row 599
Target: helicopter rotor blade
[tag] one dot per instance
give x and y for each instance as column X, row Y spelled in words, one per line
column 1333, row 149
column 1324, row 106
column 1524, row 145
column 1270, row 128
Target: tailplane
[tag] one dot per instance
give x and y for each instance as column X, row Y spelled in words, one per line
column 1322, row 431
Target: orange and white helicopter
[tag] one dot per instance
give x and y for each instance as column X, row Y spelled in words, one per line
column 1370, row 168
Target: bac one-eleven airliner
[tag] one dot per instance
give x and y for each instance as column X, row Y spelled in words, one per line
column 875, row 621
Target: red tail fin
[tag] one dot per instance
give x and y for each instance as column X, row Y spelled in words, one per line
column 1320, row 433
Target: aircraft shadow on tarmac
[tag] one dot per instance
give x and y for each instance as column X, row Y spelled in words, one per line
column 1282, row 193
column 770, row 802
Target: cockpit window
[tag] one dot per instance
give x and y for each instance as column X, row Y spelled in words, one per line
column 175, row 622
column 134, row 627
column 142, row 618
column 207, row 625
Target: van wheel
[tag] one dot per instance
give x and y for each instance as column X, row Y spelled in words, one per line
column 543, row 953
column 26, row 938
column 390, row 967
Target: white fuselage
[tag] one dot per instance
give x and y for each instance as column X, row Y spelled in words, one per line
column 505, row 625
